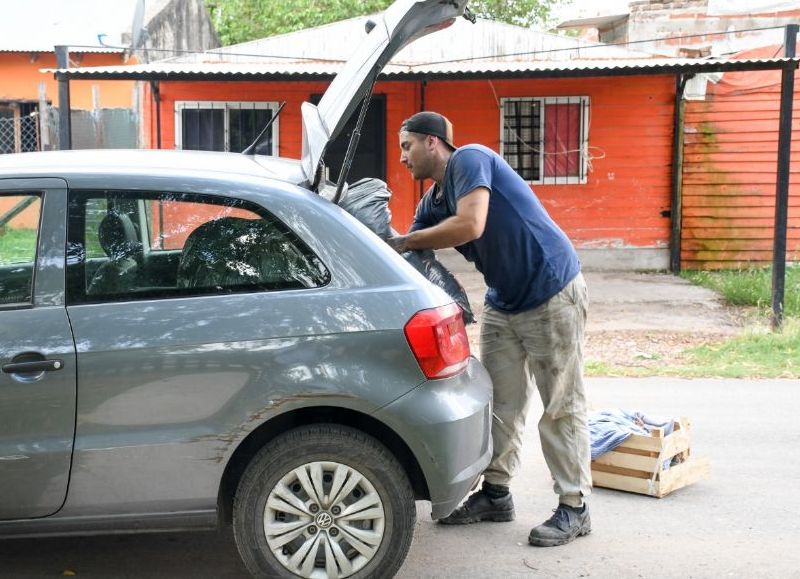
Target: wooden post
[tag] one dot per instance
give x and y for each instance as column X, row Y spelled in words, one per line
column 677, row 173
column 44, row 119
column 64, row 121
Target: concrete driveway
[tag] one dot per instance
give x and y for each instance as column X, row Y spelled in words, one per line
column 742, row 522
column 626, row 300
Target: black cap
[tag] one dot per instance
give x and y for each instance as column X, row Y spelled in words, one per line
column 430, row 123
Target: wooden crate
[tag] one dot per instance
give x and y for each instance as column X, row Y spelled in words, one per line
column 636, row 465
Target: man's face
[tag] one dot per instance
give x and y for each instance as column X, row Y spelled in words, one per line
column 416, row 153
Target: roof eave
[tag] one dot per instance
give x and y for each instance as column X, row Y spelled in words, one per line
column 62, row 74
column 578, row 72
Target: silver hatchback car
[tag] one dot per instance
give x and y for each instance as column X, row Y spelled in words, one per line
column 193, row 339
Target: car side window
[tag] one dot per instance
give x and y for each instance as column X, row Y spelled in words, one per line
column 127, row 246
column 19, row 233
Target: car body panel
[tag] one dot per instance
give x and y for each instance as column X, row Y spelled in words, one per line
column 181, row 383
column 440, row 419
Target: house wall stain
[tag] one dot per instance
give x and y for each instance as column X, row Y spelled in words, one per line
column 729, row 181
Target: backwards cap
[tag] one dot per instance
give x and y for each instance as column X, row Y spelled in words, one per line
column 430, row 123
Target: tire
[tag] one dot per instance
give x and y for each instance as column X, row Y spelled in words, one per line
column 327, row 490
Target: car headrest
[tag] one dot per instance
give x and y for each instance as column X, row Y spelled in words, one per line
column 117, row 236
column 233, row 251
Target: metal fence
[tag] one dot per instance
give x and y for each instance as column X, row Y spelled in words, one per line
column 20, row 134
column 98, row 129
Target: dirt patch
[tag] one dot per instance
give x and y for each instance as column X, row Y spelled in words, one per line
column 631, row 346
column 645, row 349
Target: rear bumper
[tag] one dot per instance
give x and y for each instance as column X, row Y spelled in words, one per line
column 447, row 425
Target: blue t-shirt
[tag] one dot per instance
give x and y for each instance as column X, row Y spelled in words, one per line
column 523, row 255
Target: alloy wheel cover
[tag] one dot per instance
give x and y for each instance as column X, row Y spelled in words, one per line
column 324, row 520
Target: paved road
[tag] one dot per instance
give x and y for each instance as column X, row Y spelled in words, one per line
column 744, row 522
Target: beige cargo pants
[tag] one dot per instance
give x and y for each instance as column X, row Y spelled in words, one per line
column 541, row 348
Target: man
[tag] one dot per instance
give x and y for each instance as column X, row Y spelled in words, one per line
column 533, row 321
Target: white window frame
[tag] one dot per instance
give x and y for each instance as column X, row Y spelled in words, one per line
column 584, row 101
column 180, row 106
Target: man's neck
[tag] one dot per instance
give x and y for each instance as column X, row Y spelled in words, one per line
column 438, row 176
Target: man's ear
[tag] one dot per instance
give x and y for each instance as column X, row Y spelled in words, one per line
column 430, row 142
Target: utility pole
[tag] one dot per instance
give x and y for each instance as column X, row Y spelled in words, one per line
column 782, row 185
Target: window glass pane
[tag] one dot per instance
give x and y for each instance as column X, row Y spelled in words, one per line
column 203, row 129
column 171, row 218
column 19, row 225
column 191, row 245
column 96, row 209
column 562, row 140
column 235, row 253
column 245, row 125
column 522, row 136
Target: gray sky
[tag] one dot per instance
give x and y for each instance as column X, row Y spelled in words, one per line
column 586, row 8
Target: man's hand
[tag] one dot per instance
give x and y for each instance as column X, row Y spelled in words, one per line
column 398, row 243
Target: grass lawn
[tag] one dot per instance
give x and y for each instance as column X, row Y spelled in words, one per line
column 756, row 352
column 17, row 245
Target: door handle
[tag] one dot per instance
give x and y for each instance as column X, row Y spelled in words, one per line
column 31, row 367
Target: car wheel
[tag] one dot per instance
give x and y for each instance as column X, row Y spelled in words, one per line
column 324, row 500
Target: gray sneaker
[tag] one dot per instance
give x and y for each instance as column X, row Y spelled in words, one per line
column 564, row 526
column 480, row 507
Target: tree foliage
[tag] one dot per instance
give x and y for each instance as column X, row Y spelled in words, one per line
column 242, row 20
column 519, row 12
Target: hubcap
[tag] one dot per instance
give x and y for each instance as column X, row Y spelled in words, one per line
column 324, row 519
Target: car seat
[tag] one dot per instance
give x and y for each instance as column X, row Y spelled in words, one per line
column 118, row 238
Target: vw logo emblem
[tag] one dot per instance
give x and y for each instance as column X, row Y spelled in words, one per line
column 324, row 520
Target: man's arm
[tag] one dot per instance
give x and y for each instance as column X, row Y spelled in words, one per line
column 466, row 225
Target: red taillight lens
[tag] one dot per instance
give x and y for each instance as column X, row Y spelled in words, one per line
column 439, row 341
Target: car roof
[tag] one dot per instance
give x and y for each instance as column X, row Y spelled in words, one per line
column 179, row 162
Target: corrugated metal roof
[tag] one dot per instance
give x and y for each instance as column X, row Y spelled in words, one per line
column 471, row 69
column 338, row 40
column 39, row 47
column 463, row 50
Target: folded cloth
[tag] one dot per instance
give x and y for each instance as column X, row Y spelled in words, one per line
column 610, row 427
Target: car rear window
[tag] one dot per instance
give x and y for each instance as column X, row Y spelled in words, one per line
column 131, row 245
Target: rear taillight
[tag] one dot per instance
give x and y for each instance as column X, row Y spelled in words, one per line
column 439, row 341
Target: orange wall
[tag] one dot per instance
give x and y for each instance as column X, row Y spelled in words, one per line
column 630, row 131
column 729, row 180
column 290, row 135
column 28, row 219
column 625, row 201
column 21, row 76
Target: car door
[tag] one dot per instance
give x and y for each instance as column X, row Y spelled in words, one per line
column 37, row 352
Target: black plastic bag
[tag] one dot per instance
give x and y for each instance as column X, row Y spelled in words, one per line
column 368, row 201
column 426, row 263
